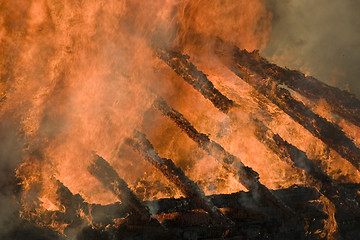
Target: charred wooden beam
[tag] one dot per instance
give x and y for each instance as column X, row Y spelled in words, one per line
column 342, row 102
column 72, row 203
column 176, row 176
column 74, row 210
column 179, row 63
column 74, row 207
column 187, row 226
column 303, row 199
column 103, row 171
column 315, row 176
column 70, row 215
column 284, row 150
column 329, row 133
column 298, row 197
column 246, row 176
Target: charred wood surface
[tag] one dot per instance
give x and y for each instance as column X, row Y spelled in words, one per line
column 284, row 150
column 102, row 170
column 328, row 132
column 298, row 197
column 248, row 216
column 248, row 177
column 189, row 188
column 240, row 207
column 74, row 206
column 342, row 102
column 315, row 176
column 254, row 230
column 180, row 64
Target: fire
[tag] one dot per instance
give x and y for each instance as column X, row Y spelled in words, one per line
column 80, row 76
column 75, row 87
column 245, row 23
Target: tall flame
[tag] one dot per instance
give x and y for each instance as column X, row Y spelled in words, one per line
column 78, row 76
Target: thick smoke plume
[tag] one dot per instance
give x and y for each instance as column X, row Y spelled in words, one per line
column 320, row 38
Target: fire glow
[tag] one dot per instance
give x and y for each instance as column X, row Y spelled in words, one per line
column 92, row 86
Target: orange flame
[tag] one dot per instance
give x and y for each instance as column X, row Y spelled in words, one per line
column 78, row 77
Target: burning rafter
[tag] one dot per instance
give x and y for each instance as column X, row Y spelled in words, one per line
column 298, row 159
column 176, row 176
column 240, row 203
column 194, row 77
column 291, row 154
column 74, row 204
column 248, row 177
column 75, row 76
column 342, row 102
column 296, row 196
column 102, row 170
column 328, row 132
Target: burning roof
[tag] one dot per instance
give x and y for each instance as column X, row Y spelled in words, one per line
column 138, row 119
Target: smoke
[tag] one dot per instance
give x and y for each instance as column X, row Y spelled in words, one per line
column 10, row 156
column 321, row 38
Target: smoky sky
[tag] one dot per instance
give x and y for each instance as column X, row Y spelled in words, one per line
column 320, row 38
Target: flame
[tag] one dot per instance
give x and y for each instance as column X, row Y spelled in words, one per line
column 79, row 76
column 79, row 81
column 245, row 23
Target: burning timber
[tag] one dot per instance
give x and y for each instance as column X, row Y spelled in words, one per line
column 304, row 211
column 329, row 133
column 345, row 203
column 177, row 176
column 239, row 207
column 342, row 102
column 297, row 197
column 248, row 177
column 315, row 176
column 102, row 170
column 194, row 77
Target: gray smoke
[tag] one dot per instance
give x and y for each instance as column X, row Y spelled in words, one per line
column 321, row 38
